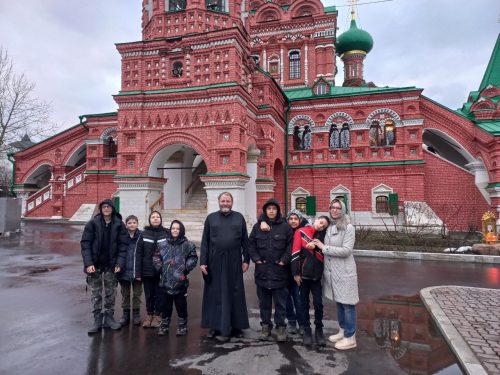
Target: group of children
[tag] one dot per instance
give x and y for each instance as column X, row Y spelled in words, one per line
column 158, row 259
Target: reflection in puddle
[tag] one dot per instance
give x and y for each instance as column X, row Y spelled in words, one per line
column 403, row 327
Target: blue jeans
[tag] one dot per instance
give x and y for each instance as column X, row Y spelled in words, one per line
column 293, row 305
column 346, row 315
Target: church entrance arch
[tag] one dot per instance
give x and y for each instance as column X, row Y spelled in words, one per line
column 181, row 166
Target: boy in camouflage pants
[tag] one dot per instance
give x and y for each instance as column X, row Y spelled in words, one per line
column 104, row 250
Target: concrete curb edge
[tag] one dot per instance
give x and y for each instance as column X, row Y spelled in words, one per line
column 459, row 346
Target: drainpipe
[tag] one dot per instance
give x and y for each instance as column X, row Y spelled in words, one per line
column 288, row 106
column 9, row 156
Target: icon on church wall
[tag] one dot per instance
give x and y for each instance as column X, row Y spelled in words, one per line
column 489, row 227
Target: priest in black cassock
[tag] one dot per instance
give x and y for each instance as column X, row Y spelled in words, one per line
column 223, row 260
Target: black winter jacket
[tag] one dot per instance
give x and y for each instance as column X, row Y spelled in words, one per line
column 271, row 248
column 128, row 273
column 147, row 246
column 92, row 237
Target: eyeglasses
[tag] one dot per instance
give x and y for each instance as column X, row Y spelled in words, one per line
column 335, row 208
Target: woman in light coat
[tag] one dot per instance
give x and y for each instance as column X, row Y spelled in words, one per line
column 340, row 280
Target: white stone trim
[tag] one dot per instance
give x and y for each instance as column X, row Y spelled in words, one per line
column 353, row 103
column 283, row 28
column 265, row 188
column 387, row 111
column 380, row 190
column 298, row 193
column 329, row 120
column 213, row 99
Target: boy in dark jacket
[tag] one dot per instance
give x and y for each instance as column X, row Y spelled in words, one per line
column 174, row 259
column 152, row 235
column 271, row 251
column 127, row 278
column 104, row 249
column 307, row 270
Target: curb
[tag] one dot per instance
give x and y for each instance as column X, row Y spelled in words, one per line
column 458, row 345
column 468, row 258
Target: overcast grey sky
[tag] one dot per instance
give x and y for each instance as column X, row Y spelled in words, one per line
column 67, row 47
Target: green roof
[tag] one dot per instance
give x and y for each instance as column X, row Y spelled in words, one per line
column 354, row 39
column 339, row 91
column 330, row 9
column 492, row 127
column 492, row 73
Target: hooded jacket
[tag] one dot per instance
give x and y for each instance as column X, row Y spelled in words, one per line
column 147, row 245
column 271, row 248
column 92, row 242
column 128, row 273
column 174, row 259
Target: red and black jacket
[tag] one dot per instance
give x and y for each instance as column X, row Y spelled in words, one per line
column 306, row 263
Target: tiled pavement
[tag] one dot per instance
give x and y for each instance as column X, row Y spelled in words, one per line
column 469, row 318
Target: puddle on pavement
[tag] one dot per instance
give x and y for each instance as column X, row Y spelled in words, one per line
column 402, row 327
column 40, row 270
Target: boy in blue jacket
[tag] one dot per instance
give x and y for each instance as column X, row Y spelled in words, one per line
column 127, row 278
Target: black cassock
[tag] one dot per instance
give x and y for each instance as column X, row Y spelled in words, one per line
column 224, row 247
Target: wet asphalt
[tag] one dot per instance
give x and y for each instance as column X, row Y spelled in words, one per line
column 45, row 313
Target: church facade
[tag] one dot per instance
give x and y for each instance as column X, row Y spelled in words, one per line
column 240, row 96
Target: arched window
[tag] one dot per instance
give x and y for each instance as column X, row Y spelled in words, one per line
column 382, row 204
column 389, row 133
column 345, row 136
column 376, row 134
column 294, row 64
column 301, row 204
column 176, row 5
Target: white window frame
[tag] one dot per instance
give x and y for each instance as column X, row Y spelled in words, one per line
column 380, row 190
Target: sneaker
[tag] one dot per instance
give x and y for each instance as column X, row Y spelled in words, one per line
column 337, row 337
column 346, row 343
column 125, row 319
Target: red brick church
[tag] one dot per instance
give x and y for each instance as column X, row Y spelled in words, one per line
column 240, row 96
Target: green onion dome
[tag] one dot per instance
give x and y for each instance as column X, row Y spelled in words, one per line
column 354, row 39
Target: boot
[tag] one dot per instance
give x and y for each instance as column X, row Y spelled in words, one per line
column 346, row 343
column 281, row 334
column 125, row 319
column 110, row 322
column 307, row 338
column 156, row 321
column 182, row 327
column 265, row 332
column 136, row 317
column 337, row 337
column 319, row 337
column 292, row 328
column 147, row 321
column 163, row 330
column 97, row 325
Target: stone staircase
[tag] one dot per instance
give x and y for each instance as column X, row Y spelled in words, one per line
column 192, row 215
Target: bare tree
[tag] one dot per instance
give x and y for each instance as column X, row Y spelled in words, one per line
column 20, row 111
column 5, row 180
